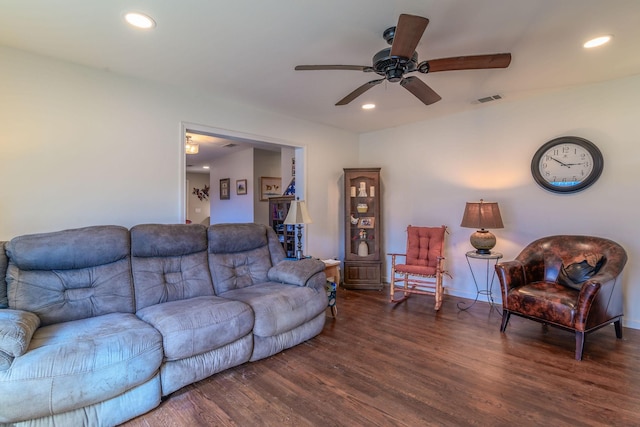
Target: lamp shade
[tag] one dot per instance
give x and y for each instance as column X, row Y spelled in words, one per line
column 298, row 213
column 481, row 215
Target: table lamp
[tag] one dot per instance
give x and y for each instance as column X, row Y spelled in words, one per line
column 299, row 216
column 481, row 215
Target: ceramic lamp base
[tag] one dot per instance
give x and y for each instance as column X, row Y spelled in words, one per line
column 483, row 241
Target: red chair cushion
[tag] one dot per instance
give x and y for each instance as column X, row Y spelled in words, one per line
column 424, row 246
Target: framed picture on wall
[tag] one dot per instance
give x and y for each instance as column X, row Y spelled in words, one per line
column 241, row 187
column 270, row 187
column 224, row 189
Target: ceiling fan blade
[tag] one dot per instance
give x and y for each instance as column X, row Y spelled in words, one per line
column 333, row 67
column 498, row 60
column 408, row 33
column 359, row 91
column 420, row 90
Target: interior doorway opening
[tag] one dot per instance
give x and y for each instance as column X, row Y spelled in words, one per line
column 235, row 164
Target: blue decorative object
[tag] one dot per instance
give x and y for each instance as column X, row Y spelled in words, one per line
column 291, row 189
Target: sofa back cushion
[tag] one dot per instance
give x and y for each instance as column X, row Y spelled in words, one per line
column 169, row 263
column 241, row 255
column 4, row 262
column 71, row 274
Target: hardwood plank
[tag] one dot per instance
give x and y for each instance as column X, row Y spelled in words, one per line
column 407, row 365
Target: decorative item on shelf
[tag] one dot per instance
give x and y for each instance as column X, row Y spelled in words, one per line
column 362, row 192
column 354, row 220
column 363, row 234
column 481, row 215
column 366, row 222
column 362, row 208
column 299, row 216
column 291, row 188
column 372, row 191
column 202, row 194
column 191, row 147
column 353, row 191
column 363, row 249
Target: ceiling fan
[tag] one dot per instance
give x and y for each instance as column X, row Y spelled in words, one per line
column 401, row 58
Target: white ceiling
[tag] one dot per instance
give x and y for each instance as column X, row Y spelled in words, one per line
column 247, row 49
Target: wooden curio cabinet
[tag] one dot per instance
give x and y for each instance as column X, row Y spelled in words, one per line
column 362, row 263
column 278, row 210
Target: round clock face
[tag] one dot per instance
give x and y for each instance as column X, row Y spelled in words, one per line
column 567, row 164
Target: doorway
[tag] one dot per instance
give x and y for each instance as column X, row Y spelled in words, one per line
column 234, row 156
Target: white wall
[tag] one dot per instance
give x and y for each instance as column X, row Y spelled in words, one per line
column 238, row 208
column 486, row 153
column 82, row 146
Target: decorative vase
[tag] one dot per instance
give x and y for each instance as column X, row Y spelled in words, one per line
column 362, row 207
column 363, row 249
column 362, row 192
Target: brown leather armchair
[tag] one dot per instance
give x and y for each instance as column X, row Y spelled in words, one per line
column 572, row 282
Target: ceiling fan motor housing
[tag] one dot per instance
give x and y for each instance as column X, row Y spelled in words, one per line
column 393, row 67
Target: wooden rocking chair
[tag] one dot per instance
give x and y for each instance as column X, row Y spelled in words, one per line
column 423, row 268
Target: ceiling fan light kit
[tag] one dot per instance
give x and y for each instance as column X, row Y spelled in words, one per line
column 401, row 58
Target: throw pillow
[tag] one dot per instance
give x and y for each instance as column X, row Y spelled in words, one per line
column 575, row 274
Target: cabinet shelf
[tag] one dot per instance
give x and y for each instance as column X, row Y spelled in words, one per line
column 278, row 210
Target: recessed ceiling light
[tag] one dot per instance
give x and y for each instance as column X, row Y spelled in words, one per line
column 140, row 20
column 598, row 41
column 368, row 106
column 206, row 167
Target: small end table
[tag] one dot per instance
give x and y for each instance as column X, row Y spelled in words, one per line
column 489, row 278
column 332, row 271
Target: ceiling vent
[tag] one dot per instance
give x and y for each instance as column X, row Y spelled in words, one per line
column 489, row 99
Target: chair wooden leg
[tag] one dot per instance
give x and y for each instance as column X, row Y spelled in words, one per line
column 439, row 292
column 392, row 284
column 618, row 325
column 505, row 320
column 579, row 344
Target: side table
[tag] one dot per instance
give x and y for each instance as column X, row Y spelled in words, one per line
column 489, row 278
column 332, row 271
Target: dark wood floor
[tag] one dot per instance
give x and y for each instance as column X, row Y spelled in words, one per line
column 380, row 365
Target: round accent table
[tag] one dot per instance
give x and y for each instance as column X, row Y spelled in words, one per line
column 488, row 280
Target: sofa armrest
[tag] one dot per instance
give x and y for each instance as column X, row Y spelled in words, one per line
column 16, row 329
column 296, row 272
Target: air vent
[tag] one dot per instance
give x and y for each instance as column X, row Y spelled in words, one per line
column 489, row 99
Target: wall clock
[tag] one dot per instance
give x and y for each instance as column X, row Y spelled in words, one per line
column 567, row 164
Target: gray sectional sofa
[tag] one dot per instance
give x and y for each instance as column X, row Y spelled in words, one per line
column 98, row 324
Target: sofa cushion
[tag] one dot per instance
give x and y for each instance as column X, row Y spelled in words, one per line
column 239, row 269
column 197, row 325
column 4, row 262
column 16, row 329
column 169, row 263
column 72, row 274
column 545, row 300
column 74, row 364
column 231, row 238
column 278, row 307
column 168, row 240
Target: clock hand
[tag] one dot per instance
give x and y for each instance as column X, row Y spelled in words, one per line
column 563, row 164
